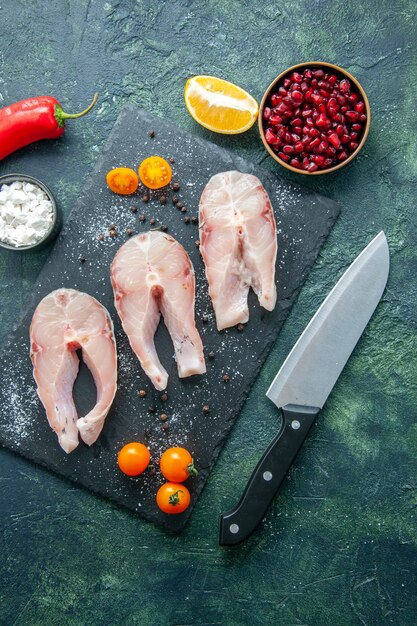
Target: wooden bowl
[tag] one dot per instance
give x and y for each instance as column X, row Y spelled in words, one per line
column 298, row 67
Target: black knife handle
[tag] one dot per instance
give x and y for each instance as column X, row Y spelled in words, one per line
column 240, row 522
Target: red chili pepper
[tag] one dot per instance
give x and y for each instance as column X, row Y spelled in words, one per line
column 30, row 120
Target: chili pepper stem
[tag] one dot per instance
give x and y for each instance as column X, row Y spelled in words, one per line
column 61, row 116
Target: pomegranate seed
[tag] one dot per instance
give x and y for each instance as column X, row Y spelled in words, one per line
column 332, row 79
column 312, row 167
column 344, row 108
column 308, row 94
column 298, row 130
column 353, row 98
column 304, row 86
column 315, row 113
column 327, row 162
column 362, row 118
column 284, row 156
column 275, row 119
column 298, row 147
column 282, row 91
column 266, row 113
column 281, row 108
column 307, row 112
column 338, row 117
column 340, row 129
column 296, row 77
column 334, row 139
column 280, row 131
column 340, row 99
column 288, row 149
column 275, row 100
column 295, row 137
column 353, row 145
column 306, row 140
column 308, row 73
column 322, row 121
column 324, row 145
column 314, row 83
column 297, row 121
column 342, row 155
column 306, row 163
column 314, row 132
column 323, row 84
column 344, row 86
column 330, row 151
column 297, row 97
column 354, row 136
column 295, row 163
column 324, row 93
column 315, row 143
column 286, row 82
column 352, row 116
column 309, row 121
column 345, row 138
column 356, row 127
column 318, row 74
column 316, row 98
column 332, row 103
column 318, row 159
column 287, row 137
column 271, row 137
column 322, row 108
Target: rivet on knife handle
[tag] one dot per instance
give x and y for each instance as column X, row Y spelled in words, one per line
column 239, row 523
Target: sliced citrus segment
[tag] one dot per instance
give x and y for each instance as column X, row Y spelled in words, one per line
column 219, row 105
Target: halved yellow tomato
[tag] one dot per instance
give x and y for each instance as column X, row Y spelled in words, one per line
column 122, row 180
column 155, row 172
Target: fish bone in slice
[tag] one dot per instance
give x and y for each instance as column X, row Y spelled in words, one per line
column 152, row 274
column 238, row 242
column 63, row 322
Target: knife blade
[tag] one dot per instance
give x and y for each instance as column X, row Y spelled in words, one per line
column 306, row 379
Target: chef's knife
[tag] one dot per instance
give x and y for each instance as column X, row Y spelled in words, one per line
column 307, row 377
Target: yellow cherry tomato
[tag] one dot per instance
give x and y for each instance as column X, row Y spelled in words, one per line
column 173, row 498
column 155, row 172
column 177, row 464
column 133, row 458
column 122, row 180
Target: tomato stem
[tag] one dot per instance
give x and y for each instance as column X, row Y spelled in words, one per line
column 191, row 469
column 61, row 116
column 174, row 498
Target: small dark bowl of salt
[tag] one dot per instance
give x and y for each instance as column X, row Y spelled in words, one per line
column 29, row 216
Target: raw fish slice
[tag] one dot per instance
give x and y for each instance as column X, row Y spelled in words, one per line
column 64, row 321
column 238, row 245
column 152, row 274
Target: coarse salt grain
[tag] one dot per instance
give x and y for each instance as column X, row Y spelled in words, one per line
column 26, row 214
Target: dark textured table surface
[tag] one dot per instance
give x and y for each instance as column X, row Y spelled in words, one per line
column 339, row 545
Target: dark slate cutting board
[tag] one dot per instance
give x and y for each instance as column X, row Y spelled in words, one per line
column 304, row 220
